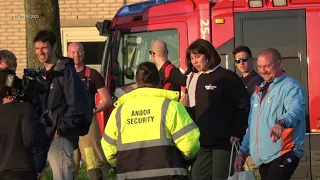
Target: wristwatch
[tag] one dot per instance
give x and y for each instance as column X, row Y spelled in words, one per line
column 281, row 123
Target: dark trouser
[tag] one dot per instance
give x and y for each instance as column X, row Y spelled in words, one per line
column 18, row 175
column 212, row 164
column 281, row 168
column 40, row 150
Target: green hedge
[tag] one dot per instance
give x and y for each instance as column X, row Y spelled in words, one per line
column 47, row 175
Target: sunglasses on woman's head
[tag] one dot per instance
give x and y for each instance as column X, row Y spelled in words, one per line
column 243, row 59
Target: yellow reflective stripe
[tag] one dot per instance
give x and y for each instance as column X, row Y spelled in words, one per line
column 90, row 159
column 118, row 122
column 152, row 173
column 145, row 144
column 184, row 131
column 109, row 140
column 141, row 144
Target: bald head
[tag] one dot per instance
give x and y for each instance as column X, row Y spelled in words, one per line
column 269, row 64
column 76, row 52
column 159, row 47
column 76, row 45
column 273, row 53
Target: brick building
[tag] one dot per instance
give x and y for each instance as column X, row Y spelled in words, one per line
column 77, row 22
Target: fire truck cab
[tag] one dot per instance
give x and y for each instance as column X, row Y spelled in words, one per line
column 290, row 26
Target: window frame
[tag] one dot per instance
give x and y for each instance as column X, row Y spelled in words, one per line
column 141, row 50
column 81, row 34
column 181, row 29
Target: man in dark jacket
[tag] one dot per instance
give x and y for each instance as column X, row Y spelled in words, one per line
column 20, row 131
column 244, row 62
column 64, row 103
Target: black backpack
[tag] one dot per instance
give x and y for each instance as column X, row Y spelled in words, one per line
column 84, row 125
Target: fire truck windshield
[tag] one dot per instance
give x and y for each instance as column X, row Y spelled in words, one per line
column 134, row 49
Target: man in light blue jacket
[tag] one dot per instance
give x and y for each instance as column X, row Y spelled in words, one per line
column 277, row 123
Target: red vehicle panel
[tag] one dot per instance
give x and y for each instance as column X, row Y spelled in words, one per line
column 225, row 24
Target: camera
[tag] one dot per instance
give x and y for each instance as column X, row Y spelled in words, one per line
column 28, row 89
column 33, row 83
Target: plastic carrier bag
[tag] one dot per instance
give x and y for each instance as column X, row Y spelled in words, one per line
column 243, row 175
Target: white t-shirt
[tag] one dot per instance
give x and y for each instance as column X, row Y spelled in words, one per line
column 192, row 88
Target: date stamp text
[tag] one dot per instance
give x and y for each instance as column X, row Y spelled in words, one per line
column 25, row 16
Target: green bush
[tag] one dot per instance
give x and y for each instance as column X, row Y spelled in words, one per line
column 47, row 174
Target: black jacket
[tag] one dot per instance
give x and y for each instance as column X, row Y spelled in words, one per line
column 176, row 78
column 222, row 108
column 66, row 101
column 18, row 135
column 251, row 81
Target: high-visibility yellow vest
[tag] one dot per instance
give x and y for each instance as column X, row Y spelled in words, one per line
column 150, row 134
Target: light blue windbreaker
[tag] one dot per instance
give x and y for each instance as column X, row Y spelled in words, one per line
column 285, row 99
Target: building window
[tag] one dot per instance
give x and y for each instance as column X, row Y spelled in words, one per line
column 92, row 42
column 93, row 52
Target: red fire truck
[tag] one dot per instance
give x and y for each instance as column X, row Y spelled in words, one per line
column 291, row 26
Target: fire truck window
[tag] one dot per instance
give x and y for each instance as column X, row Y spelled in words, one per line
column 134, row 49
column 285, row 38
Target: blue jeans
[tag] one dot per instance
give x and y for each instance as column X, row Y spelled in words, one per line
column 60, row 157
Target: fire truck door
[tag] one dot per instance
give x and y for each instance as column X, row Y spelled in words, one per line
column 284, row 30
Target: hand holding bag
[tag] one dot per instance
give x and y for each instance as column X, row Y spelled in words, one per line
column 243, row 175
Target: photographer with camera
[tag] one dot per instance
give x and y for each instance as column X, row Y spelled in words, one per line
column 65, row 104
column 7, row 60
column 24, row 91
column 19, row 133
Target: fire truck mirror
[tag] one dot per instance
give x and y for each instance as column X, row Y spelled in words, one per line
column 128, row 72
column 103, row 27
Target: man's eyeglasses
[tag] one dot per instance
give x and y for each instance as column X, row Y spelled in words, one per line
column 243, row 59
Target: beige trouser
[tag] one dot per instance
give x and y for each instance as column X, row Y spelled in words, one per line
column 251, row 164
column 91, row 151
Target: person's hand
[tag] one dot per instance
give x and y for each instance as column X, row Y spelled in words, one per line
column 276, row 132
column 184, row 100
column 56, row 134
column 39, row 176
column 238, row 163
column 46, row 118
column 234, row 140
